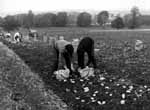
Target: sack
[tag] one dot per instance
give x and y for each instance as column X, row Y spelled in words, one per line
column 139, row 45
column 62, row 74
column 86, row 72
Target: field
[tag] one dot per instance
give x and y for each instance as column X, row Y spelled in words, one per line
column 20, row 88
column 123, row 79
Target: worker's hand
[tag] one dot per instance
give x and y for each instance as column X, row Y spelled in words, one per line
column 65, row 67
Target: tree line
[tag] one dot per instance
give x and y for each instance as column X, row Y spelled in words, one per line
column 63, row 19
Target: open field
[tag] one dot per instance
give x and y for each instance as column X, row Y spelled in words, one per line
column 95, row 32
column 123, row 79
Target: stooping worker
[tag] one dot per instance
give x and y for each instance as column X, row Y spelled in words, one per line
column 17, row 37
column 8, row 37
column 33, row 34
column 64, row 51
column 86, row 45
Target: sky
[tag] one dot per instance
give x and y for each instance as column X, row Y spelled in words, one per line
column 20, row 6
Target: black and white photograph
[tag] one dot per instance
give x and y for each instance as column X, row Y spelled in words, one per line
column 74, row 54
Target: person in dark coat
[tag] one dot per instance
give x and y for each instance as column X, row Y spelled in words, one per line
column 86, row 45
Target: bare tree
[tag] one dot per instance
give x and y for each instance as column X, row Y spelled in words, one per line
column 135, row 13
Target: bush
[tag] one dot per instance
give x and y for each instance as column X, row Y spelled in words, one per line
column 117, row 23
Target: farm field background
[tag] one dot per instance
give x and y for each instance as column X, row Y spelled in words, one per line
column 123, row 79
column 95, row 32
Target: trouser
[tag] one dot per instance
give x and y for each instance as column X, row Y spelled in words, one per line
column 89, row 49
column 67, row 56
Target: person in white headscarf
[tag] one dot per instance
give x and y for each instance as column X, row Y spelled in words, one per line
column 8, row 37
column 17, row 37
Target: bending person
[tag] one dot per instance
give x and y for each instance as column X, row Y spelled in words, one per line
column 64, row 51
column 86, row 45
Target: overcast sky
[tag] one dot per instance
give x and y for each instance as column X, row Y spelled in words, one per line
column 12, row 6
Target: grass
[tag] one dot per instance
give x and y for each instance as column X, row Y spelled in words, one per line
column 20, row 89
column 123, row 79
